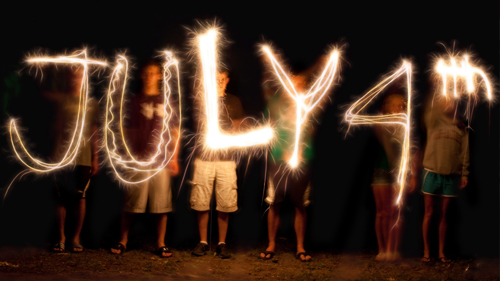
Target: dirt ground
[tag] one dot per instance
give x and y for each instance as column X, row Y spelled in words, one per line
column 31, row 263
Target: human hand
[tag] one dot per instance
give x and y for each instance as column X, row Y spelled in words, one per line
column 173, row 166
column 464, row 182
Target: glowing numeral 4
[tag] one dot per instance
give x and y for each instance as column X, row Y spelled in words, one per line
column 354, row 117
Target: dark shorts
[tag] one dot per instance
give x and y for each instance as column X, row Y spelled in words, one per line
column 441, row 185
column 284, row 182
column 382, row 177
column 71, row 184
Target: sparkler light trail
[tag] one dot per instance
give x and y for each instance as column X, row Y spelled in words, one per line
column 127, row 168
column 19, row 146
column 354, row 116
column 305, row 102
column 215, row 138
column 466, row 72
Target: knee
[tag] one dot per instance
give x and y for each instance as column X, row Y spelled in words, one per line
column 300, row 210
column 382, row 213
column 428, row 213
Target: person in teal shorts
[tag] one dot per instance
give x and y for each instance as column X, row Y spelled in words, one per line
column 445, row 164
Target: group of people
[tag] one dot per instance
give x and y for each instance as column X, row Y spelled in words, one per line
column 443, row 168
column 443, row 165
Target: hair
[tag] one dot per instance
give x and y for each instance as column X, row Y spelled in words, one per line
column 152, row 62
column 223, row 70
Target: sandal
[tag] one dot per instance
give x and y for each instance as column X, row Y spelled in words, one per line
column 444, row 260
column 426, row 259
column 120, row 247
column 163, row 250
column 305, row 254
column 270, row 253
column 58, row 248
column 77, row 246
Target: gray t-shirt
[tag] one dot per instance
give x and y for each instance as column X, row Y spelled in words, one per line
column 447, row 146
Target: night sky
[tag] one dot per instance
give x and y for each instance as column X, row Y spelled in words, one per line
column 375, row 38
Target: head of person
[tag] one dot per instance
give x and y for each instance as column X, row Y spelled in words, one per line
column 299, row 82
column 394, row 103
column 222, row 79
column 446, row 104
column 151, row 75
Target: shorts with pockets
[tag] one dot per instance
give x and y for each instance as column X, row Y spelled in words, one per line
column 222, row 174
column 155, row 195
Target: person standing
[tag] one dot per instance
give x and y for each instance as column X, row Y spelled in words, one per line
column 155, row 194
column 217, row 169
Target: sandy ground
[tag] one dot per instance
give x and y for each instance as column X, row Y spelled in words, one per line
column 30, row 263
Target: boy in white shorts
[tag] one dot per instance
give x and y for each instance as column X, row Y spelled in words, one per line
column 155, row 194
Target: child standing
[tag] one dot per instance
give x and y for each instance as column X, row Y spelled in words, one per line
column 445, row 165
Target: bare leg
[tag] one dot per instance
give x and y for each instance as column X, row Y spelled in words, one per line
column 222, row 222
column 300, row 229
column 429, row 210
column 443, row 225
column 382, row 195
column 203, row 225
column 126, row 221
column 273, row 222
column 80, row 217
column 61, row 218
column 161, row 230
column 395, row 225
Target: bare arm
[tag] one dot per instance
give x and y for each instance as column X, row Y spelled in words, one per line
column 94, row 147
column 173, row 165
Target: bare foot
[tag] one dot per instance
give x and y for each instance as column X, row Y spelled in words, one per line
column 391, row 257
column 380, row 257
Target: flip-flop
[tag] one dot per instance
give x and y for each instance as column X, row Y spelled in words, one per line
column 162, row 250
column 426, row 259
column 305, row 254
column 444, row 260
column 58, row 248
column 270, row 253
column 76, row 246
column 120, row 247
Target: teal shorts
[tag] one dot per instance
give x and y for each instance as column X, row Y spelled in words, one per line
column 440, row 185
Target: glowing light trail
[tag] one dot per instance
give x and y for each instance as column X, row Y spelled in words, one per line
column 305, row 102
column 466, row 72
column 128, row 168
column 18, row 145
column 354, row 117
column 215, row 138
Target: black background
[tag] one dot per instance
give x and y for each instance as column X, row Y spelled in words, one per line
column 376, row 38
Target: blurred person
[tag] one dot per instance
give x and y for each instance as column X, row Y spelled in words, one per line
column 444, row 167
column 384, row 183
column 284, row 183
column 217, row 171
column 155, row 194
column 71, row 184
